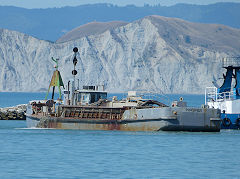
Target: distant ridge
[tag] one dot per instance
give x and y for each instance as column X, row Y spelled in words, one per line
column 178, row 32
column 53, row 23
column 91, row 28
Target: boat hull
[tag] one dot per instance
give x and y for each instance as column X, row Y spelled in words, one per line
column 230, row 112
column 153, row 119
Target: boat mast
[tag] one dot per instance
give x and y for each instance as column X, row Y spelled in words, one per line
column 74, row 73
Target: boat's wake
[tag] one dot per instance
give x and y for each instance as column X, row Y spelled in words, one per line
column 33, row 128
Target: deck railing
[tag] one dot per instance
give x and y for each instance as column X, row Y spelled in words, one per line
column 231, row 61
column 211, row 94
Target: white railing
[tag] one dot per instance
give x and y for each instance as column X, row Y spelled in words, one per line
column 211, row 95
column 231, row 61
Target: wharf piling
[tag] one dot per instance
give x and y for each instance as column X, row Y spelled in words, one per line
column 13, row 113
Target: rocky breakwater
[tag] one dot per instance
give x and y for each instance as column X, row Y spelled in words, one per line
column 13, row 113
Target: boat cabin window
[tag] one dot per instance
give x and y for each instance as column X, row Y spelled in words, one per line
column 102, row 96
column 93, row 98
column 89, row 87
column 84, row 98
column 90, row 97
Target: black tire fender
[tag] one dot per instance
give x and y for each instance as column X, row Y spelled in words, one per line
column 238, row 122
column 226, row 122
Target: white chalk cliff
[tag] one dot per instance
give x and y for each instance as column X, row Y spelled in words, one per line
column 152, row 54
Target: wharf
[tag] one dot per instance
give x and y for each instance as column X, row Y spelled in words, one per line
column 13, row 113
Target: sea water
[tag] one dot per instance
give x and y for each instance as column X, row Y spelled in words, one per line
column 49, row 153
column 8, row 99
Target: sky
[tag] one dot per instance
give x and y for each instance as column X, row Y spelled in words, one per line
column 61, row 3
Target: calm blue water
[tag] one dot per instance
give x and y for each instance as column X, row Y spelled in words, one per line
column 8, row 99
column 41, row 153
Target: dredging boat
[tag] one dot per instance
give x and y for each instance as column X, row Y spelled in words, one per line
column 89, row 109
column 227, row 96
